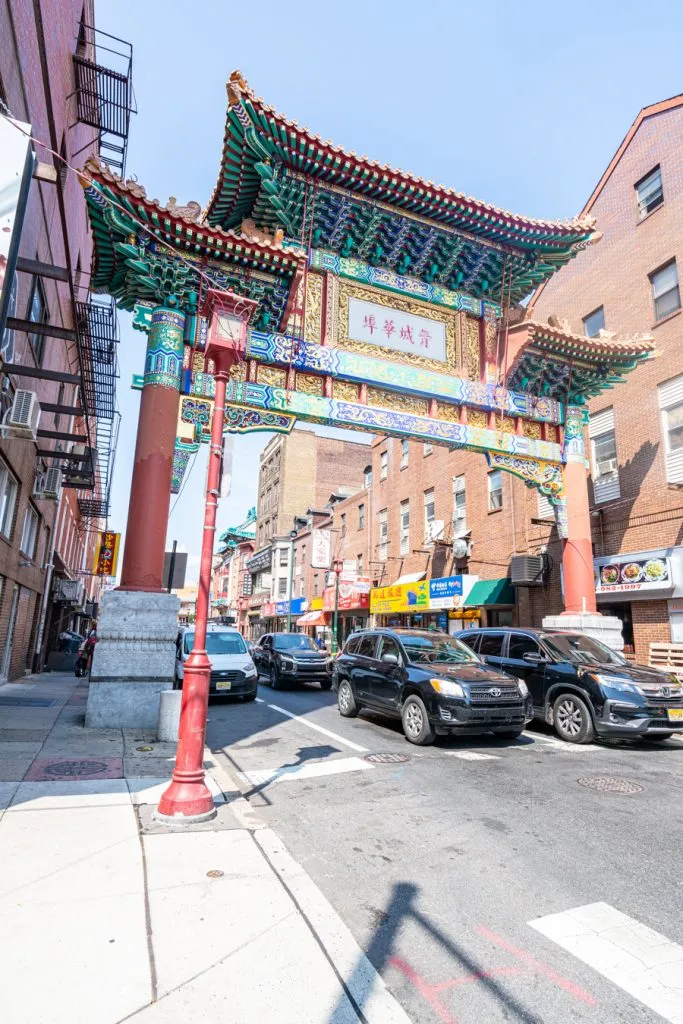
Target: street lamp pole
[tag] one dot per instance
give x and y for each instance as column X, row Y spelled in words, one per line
column 188, row 798
column 292, row 537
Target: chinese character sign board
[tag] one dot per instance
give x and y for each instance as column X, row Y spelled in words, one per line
column 321, row 549
column 106, row 554
column 396, row 330
column 402, row 597
column 445, row 592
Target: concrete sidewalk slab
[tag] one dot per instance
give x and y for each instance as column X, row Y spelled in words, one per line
column 57, row 796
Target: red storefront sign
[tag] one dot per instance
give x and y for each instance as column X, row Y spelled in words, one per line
column 106, row 554
column 268, row 611
column 353, row 596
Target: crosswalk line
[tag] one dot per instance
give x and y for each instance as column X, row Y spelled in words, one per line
column 311, row 770
column 641, row 961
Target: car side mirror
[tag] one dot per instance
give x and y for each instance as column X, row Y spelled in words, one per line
column 534, row 658
column 390, row 659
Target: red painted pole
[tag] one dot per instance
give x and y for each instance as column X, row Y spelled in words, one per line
column 188, row 795
column 577, row 549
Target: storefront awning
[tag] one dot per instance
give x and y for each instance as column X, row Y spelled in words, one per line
column 409, row 577
column 318, row 618
column 491, row 592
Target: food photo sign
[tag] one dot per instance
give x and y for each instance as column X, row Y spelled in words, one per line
column 620, row 574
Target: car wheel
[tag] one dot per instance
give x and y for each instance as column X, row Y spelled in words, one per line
column 274, row 678
column 416, row 726
column 346, row 702
column 325, row 684
column 572, row 719
column 508, row 734
column 657, row 737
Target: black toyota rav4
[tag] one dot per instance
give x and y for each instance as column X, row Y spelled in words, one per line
column 583, row 688
column 429, row 680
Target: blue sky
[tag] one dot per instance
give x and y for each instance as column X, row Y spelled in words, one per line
column 520, row 104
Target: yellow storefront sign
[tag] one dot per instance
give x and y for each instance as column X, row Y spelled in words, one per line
column 316, row 604
column 402, row 597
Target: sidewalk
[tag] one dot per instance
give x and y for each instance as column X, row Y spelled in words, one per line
column 106, row 916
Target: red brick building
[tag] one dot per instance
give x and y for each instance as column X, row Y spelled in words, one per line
column 68, row 359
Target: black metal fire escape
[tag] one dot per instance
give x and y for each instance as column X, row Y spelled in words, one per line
column 103, row 66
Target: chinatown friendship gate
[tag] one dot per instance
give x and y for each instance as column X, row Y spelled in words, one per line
column 379, row 302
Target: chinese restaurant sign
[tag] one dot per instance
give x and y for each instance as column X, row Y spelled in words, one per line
column 392, row 328
column 106, row 554
column 402, row 597
column 623, row 574
column 321, row 549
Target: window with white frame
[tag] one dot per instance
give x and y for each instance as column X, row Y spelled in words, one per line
column 428, row 448
column 38, row 314
column 405, row 446
column 429, row 510
column 665, row 291
column 282, row 586
column 383, row 535
column 670, row 395
column 545, row 509
column 359, row 563
column 594, row 322
column 405, row 526
column 604, row 456
column 342, row 520
column 361, row 517
column 367, row 477
column 9, row 488
column 459, row 506
column 284, row 557
column 315, row 584
column 303, row 554
column 649, row 192
column 29, row 534
column 495, row 482
column 383, row 465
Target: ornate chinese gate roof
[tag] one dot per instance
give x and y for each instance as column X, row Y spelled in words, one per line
column 135, row 264
column 549, row 360
column 282, row 175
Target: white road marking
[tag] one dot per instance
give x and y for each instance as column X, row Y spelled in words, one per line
column 310, row 770
column 642, row 962
column 260, row 700
column 319, row 728
column 472, row 755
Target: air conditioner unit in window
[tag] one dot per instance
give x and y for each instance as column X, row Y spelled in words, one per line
column 607, row 469
column 528, row 570
column 52, row 485
column 21, row 420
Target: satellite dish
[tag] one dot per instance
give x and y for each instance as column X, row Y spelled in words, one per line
column 461, row 548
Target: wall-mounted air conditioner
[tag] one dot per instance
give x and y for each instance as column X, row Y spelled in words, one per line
column 52, row 482
column 528, row 570
column 21, row 420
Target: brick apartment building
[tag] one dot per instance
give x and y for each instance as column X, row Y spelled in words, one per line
column 52, row 345
column 628, row 284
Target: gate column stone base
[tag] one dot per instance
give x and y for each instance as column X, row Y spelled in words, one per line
column 134, row 659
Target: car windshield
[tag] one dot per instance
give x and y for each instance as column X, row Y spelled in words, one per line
column 427, row 650
column 580, row 649
column 219, row 643
column 293, row 642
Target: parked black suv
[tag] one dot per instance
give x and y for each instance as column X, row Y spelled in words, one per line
column 291, row 658
column 581, row 687
column 429, row 680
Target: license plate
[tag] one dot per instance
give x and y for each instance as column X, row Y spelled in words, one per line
column 675, row 714
column 223, row 684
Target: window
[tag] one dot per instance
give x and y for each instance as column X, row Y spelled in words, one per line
column 352, row 644
column 301, row 587
column 545, row 508
column 383, row 465
column 594, row 322
column 366, row 647
column 260, row 535
column 367, row 476
column 282, row 587
column 9, row 489
column 315, row 584
column 29, row 534
column 359, row 563
column 303, row 554
column 343, row 523
column 492, row 644
column 604, row 456
column 428, row 448
column 361, row 517
column 405, row 527
column 405, row 444
column 649, row 193
column 387, row 645
column 665, row 292
column 459, row 506
column 284, row 557
column 383, row 535
column 38, row 314
column 519, row 645
column 429, row 510
column 671, row 403
column 495, row 490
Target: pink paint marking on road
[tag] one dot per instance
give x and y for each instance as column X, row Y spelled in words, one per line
column 425, row 988
column 541, row 968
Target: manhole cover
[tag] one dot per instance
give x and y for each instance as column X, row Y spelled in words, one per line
column 608, row 784
column 61, row 768
column 386, row 758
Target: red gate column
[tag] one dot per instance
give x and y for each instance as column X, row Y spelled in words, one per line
column 150, row 493
column 577, row 549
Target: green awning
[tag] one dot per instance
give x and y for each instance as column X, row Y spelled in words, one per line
column 490, row 592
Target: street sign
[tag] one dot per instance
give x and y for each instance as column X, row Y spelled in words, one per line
column 179, row 570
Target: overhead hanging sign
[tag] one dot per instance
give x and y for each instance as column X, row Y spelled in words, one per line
column 391, row 328
column 107, row 553
column 321, row 549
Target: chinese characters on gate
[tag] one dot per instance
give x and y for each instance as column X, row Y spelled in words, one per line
column 391, row 328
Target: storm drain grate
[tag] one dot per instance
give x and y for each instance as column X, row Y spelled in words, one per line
column 72, row 769
column 26, row 702
column 609, row 784
column 389, row 758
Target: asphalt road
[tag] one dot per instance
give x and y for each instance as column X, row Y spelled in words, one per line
column 438, row 863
